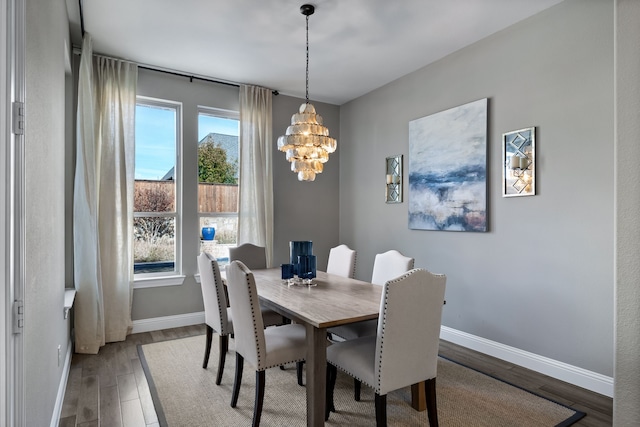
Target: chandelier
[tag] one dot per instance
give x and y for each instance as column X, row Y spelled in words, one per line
column 307, row 143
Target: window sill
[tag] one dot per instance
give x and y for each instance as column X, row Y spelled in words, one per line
column 156, row 282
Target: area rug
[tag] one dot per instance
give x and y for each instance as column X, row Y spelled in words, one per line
column 184, row 394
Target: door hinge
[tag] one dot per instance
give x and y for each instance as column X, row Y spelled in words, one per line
column 18, row 118
column 18, row 316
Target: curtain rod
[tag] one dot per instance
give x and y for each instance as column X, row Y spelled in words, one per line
column 81, row 17
column 191, row 77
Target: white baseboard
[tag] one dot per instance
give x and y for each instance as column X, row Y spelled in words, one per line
column 572, row 374
column 167, row 322
column 62, row 387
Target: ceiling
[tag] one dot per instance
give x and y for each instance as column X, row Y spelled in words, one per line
column 355, row 46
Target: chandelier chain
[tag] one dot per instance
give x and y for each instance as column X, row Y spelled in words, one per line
column 307, row 75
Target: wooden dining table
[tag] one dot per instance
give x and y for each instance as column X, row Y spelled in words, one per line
column 333, row 301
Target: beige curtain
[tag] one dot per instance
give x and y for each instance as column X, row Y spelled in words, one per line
column 255, row 206
column 103, row 199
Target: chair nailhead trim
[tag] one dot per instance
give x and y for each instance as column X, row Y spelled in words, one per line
column 273, row 366
column 351, row 374
column 253, row 315
column 353, row 270
column 216, row 281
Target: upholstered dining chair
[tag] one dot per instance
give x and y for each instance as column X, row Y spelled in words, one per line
column 405, row 348
column 254, row 257
column 389, row 265
column 262, row 348
column 386, row 266
column 342, row 261
column 218, row 316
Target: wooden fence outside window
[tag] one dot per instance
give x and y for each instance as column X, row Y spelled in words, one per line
column 211, row 197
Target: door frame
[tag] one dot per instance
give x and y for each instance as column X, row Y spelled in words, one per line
column 12, row 196
column 4, row 141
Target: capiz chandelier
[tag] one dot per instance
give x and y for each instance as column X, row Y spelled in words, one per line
column 307, row 143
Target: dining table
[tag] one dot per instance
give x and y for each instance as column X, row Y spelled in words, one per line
column 331, row 301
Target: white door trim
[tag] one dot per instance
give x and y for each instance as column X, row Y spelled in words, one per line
column 4, row 141
column 12, row 196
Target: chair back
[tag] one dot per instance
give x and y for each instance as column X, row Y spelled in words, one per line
column 342, row 261
column 213, row 295
column 409, row 330
column 389, row 265
column 248, row 326
column 254, row 257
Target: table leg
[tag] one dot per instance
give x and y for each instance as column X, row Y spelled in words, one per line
column 316, row 366
column 418, row 397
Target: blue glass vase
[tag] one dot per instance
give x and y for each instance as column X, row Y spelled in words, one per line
column 297, row 248
column 307, row 266
column 208, row 233
column 307, row 269
column 286, row 271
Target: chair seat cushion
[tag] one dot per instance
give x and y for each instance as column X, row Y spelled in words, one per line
column 284, row 344
column 352, row 331
column 355, row 357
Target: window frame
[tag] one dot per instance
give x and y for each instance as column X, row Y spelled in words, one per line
column 176, row 277
column 224, row 114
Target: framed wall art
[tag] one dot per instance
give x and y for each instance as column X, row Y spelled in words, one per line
column 448, row 169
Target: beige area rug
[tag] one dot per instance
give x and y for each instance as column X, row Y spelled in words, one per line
column 184, row 394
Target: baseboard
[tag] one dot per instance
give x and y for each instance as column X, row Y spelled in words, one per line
column 571, row 374
column 167, row 322
column 57, row 409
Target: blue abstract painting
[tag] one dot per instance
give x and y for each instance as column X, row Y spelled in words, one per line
column 448, row 169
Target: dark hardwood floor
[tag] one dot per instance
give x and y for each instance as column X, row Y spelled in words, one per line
column 110, row 389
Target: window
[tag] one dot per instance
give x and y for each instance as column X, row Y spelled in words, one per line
column 218, row 167
column 156, row 222
column 160, row 211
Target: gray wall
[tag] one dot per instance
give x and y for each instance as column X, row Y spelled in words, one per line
column 627, row 369
column 541, row 278
column 303, row 211
column 44, row 264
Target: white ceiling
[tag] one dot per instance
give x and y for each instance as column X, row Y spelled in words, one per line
column 355, row 45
